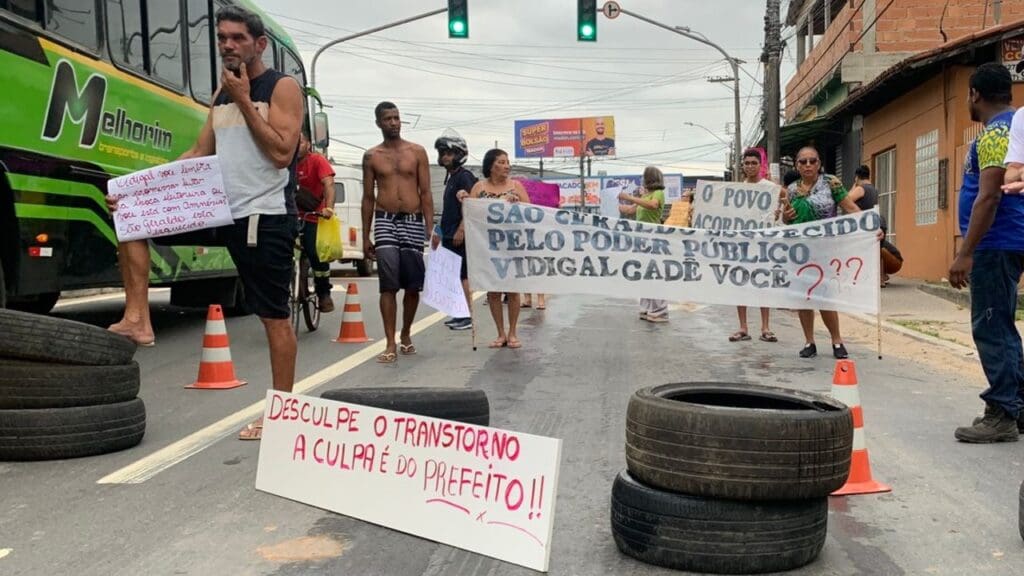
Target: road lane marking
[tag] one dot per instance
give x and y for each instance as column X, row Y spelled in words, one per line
column 149, row 466
column 4, row 552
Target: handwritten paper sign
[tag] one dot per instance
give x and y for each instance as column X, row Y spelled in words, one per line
column 482, row 489
column 825, row 265
column 170, row 199
column 442, row 288
column 735, row 205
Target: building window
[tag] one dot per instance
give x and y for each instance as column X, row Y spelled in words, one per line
column 885, row 182
column 926, row 179
column 165, row 42
column 200, row 50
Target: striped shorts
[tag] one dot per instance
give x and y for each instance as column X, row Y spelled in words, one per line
column 399, row 239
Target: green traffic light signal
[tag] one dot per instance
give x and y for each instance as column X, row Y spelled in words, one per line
column 586, row 18
column 458, row 19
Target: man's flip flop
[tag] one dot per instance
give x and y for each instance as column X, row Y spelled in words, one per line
column 769, row 336
column 515, row 344
column 407, row 349
column 387, row 358
column 739, row 337
column 498, row 344
column 252, row 431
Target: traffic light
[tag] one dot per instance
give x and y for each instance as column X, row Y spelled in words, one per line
column 458, row 19
column 586, row 21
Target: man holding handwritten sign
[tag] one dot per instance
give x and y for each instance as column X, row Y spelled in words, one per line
column 253, row 128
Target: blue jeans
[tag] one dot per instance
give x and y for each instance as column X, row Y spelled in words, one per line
column 321, row 270
column 994, row 278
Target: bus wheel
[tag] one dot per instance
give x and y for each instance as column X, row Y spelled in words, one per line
column 239, row 306
column 3, row 287
column 43, row 303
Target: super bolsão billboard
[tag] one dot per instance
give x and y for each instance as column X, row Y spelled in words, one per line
column 565, row 137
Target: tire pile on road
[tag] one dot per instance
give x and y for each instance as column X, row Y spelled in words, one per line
column 458, row 404
column 67, row 389
column 729, row 478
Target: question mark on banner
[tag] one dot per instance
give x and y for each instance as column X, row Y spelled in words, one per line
column 821, row 277
column 838, row 264
column 860, row 266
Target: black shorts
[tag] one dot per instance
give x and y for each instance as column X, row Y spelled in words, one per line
column 461, row 251
column 265, row 269
column 398, row 241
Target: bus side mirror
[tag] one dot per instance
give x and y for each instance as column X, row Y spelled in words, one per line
column 321, row 130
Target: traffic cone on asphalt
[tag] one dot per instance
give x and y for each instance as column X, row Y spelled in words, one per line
column 353, row 330
column 844, row 389
column 216, row 370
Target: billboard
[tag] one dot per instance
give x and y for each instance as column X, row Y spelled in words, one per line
column 604, row 190
column 565, row 137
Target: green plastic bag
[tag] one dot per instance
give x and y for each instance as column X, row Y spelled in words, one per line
column 328, row 239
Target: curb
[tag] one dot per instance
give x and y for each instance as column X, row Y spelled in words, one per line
column 958, row 297
column 893, row 327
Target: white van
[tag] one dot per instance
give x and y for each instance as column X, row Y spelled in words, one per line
column 348, row 200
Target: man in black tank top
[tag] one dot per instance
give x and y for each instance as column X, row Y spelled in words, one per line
column 864, row 194
column 253, row 128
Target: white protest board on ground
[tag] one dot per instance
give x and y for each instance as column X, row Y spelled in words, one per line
column 827, row 265
column 442, row 288
column 481, row 489
column 170, row 199
column 735, row 205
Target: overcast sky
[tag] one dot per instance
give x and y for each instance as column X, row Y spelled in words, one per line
column 522, row 61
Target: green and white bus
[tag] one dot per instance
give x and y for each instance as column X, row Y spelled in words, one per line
column 95, row 89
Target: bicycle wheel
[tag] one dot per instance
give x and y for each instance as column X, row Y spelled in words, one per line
column 295, row 291
column 308, row 297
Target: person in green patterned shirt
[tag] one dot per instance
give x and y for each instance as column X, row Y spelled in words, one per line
column 816, row 196
column 648, row 208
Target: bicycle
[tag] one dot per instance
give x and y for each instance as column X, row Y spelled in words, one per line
column 303, row 297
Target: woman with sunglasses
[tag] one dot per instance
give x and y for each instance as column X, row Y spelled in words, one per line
column 816, row 196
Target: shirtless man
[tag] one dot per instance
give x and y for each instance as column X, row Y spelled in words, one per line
column 401, row 213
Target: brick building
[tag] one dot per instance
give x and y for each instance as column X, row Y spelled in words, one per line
column 893, row 96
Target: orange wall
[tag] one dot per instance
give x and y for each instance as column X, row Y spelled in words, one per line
column 940, row 103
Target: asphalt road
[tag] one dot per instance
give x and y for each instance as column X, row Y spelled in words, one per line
column 190, row 507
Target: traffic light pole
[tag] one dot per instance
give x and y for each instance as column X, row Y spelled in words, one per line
column 316, row 56
column 738, row 140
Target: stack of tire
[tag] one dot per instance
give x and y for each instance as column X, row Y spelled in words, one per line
column 67, row 389
column 729, row 478
column 458, row 404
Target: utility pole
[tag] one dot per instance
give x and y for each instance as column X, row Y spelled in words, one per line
column 772, row 57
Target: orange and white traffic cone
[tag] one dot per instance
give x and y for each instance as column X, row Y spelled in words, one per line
column 353, row 330
column 216, row 370
column 844, row 389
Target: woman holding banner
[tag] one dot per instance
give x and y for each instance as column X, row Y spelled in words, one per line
column 497, row 185
column 816, row 196
column 648, row 208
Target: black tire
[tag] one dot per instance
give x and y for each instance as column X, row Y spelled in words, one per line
column 310, row 302
column 715, row 536
column 1020, row 512
column 738, row 441
column 364, row 267
column 458, row 404
column 58, row 433
column 47, row 339
column 239, row 305
column 34, row 385
column 3, row 287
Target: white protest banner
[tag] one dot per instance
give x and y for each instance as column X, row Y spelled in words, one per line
column 482, row 489
column 735, row 205
column 827, row 265
column 170, row 199
column 442, row 288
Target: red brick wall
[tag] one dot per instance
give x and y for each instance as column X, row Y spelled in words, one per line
column 906, row 26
